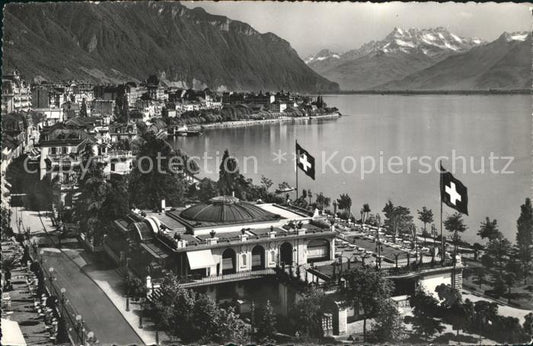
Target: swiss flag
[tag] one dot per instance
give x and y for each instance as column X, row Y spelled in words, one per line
column 452, row 192
column 305, row 161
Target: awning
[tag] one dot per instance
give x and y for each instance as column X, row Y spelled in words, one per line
column 200, row 259
column 11, row 333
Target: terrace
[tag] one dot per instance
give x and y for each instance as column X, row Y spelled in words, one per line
column 185, row 241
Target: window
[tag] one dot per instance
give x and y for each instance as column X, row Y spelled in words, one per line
column 64, row 150
column 243, row 259
column 272, row 256
column 53, row 150
column 112, row 167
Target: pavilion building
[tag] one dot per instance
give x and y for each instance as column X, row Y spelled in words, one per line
column 209, row 241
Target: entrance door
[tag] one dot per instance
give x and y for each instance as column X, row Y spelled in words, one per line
column 228, row 262
column 258, row 258
column 285, row 253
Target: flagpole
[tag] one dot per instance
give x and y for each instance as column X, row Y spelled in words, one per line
column 441, row 237
column 296, row 168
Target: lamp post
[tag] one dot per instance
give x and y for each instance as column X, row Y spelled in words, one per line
column 90, row 337
column 379, row 248
column 79, row 322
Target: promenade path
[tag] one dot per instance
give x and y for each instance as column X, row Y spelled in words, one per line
column 96, row 308
column 92, row 303
column 106, row 276
column 503, row 309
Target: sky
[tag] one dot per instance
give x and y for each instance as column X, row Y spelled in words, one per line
column 312, row 26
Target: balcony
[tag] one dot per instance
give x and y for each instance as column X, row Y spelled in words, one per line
column 247, row 275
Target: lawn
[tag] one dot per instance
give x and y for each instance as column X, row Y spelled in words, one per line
column 521, row 294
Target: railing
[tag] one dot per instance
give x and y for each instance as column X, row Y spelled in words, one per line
column 231, row 277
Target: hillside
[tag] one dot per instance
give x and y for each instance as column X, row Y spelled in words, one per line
column 502, row 64
column 122, row 41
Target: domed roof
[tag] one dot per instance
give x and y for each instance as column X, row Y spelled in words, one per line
column 227, row 209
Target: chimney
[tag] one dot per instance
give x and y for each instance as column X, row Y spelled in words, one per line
column 163, row 205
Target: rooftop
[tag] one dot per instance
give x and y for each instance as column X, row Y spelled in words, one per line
column 224, row 210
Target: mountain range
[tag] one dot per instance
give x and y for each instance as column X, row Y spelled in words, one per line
column 430, row 59
column 113, row 42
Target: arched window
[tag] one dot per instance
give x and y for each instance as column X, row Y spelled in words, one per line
column 272, row 256
column 243, row 259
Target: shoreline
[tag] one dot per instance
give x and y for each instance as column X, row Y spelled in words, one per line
column 245, row 123
column 434, row 92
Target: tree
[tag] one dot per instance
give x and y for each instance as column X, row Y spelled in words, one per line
column 306, row 314
column 426, row 216
column 455, row 312
column 485, row 313
column 424, row 307
column 528, row 324
column 480, row 274
column 6, row 214
column 204, row 319
column 388, row 325
column 398, row 219
column 157, row 175
column 193, row 317
column 345, row 202
column 524, row 236
column 448, row 295
column 322, row 201
column 116, row 204
column 265, row 323
column 136, row 288
column 510, row 279
column 266, row 182
column 366, row 289
column 498, row 250
column 489, row 229
column 90, row 207
column 228, row 174
column 231, row 328
column 164, row 113
column 477, row 247
column 207, row 189
column 366, row 212
column 455, row 224
column 83, row 109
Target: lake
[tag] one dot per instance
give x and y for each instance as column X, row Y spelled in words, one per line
column 401, row 136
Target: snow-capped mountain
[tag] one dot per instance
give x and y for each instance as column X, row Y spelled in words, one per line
column 429, row 41
column 399, row 54
column 515, row 36
column 324, row 54
column 502, row 64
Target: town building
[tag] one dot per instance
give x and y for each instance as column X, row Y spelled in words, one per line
column 103, row 108
column 121, row 132
column 133, row 93
column 16, row 94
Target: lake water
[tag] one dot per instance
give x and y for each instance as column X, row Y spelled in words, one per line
column 394, row 130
